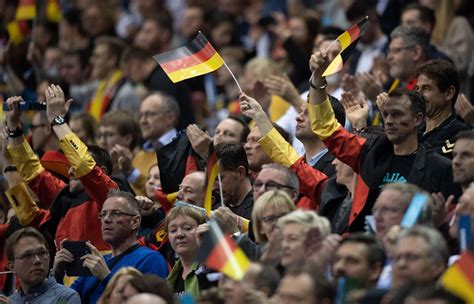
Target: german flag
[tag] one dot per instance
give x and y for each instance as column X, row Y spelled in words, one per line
column 221, row 253
column 18, row 30
column 53, row 11
column 196, row 58
column 348, row 41
column 212, row 171
column 459, row 278
column 26, row 10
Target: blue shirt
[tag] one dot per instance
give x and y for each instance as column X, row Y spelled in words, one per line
column 47, row 292
column 143, row 258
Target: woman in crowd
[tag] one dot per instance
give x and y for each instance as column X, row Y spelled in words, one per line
column 187, row 276
column 113, row 292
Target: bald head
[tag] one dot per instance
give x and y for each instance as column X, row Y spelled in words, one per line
column 146, row 298
column 191, row 189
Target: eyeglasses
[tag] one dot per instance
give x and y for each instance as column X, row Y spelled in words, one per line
column 397, row 50
column 29, row 256
column 270, row 185
column 114, row 214
column 271, row 219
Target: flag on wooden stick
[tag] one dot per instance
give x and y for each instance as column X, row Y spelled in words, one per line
column 221, row 253
column 348, row 41
column 194, row 59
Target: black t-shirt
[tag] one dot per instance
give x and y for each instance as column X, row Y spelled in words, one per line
column 179, row 285
column 398, row 170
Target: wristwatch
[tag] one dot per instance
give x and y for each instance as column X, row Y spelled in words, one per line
column 58, row 120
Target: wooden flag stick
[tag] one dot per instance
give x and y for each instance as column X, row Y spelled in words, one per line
column 235, row 79
column 220, row 187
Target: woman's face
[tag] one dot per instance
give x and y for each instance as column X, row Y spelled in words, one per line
column 153, row 182
column 182, row 235
column 269, row 218
column 292, row 244
column 116, row 296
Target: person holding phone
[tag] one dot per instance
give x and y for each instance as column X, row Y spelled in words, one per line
column 120, row 220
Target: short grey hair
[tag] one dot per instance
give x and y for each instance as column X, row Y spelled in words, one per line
column 412, row 36
column 437, row 246
column 132, row 203
column 290, row 177
column 308, row 219
column 408, row 191
column 169, row 102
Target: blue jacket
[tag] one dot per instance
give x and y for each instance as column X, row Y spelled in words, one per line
column 144, row 259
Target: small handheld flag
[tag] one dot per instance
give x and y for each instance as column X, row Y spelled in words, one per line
column 26, row 10
column 220, row 252
column 348, row 41
column 194, row 59
column 464, row 233
column 459, row 278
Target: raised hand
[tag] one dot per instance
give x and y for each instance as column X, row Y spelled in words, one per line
column 199, row 140
column 369, row 86
column 381, row 101
column 146, row 205
column 56, row 104
column 250, row 107
column 13, row 116
column 465, row 109
column 318, row 63
column 283, row 87
column 95, row 262
column 349, row 84
column 227, row 220
column 441, row 207
column 357, row 111
column 122, row 158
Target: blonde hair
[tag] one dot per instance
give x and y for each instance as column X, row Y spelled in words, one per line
column 262, row 68
column 445, row 13
column 308, row 219
column 184, row 211
column 131, row 271
column 273, row 199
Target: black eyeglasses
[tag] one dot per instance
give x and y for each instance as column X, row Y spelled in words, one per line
column 270, row 185
column 114, row 214
column 29, row 256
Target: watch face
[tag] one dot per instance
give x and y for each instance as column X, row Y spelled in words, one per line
column 58, row 120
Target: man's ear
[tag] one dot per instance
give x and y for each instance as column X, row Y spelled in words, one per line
column 135, row 222
column 449, row 94
column 375, row 271
column 418, row 53
column 242, row 172
column 419, row 117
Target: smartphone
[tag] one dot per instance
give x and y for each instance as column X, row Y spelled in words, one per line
column 78, row 250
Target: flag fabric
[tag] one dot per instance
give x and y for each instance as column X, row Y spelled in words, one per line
column 26, row 10
column 195, row 58
column 221, row 253
column 53, row 11
column 18, row 30
column 348, row 41
column 459, row 278
column 212, row 171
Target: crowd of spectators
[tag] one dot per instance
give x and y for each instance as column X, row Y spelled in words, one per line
column 316, row 174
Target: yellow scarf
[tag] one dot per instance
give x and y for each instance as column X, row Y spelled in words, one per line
column 102, row 97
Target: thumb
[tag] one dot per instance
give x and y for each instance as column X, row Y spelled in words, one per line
column 92, row 248
column 68, row 104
